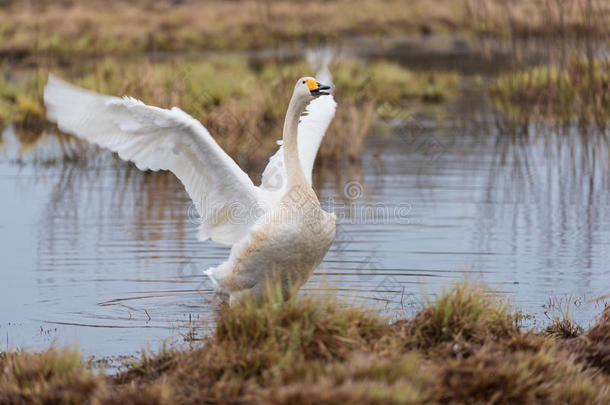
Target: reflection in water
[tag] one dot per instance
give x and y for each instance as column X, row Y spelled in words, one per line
column 553, row 177
column 565, row 176
column 104, row 254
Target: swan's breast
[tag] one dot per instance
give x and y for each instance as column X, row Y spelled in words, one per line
column 291, row 242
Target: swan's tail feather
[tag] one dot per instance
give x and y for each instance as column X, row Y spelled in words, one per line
column 215, row 276
column 210, row 273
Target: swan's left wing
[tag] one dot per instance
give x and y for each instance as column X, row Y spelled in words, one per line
column 312, row 127
column 159, row 139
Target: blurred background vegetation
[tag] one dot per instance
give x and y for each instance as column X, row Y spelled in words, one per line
column 231, row 64
column 114, row 26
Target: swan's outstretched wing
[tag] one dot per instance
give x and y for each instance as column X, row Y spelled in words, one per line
column 312, row 127
column 159, row 139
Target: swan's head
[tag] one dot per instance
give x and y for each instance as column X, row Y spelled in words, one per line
column 309, row 86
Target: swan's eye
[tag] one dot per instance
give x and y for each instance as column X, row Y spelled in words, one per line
column 303, row 82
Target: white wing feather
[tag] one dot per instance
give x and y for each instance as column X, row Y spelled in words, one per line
column 159, row 139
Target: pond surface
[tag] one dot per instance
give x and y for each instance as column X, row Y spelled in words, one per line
column 105, row 256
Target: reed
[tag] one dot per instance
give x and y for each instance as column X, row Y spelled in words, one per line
column 574, row 93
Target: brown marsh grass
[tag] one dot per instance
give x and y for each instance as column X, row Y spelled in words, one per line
column 62, row 28
column 241, row 103
column 577, row 92
column 465, row 347
column 538, row 18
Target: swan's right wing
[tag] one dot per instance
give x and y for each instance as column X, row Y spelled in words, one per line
column 159, row 139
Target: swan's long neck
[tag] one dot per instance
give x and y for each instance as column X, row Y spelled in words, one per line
column 296, row 180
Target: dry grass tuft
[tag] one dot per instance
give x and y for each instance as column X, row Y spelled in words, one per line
column 52, row 377
column 465, row 315
column 563, row 327
column 494, row 375
column 310, row 328
column 363, row 379
column 593, row 347
column 317, row 350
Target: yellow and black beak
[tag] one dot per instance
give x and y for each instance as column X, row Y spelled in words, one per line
column 316, row 88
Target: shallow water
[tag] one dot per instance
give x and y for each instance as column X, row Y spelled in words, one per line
column 102, row 255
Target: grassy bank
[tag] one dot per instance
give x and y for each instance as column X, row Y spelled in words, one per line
column 241, row 102
column 465, row 347
column 575, row 92
column 67, row 28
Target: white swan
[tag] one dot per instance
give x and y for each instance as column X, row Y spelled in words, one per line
column 278, row 229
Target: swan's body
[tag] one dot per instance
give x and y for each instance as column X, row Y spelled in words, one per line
column 277, row 230
column 277, row 248
column 292, row 238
